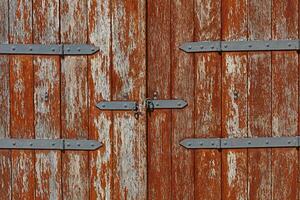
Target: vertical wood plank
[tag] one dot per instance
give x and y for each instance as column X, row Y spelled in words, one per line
column 99, row 21
column 159, row 82
column 259, row 98
column 47, row 99
column 285, row 92
column 21, row 94
column 5, row 158
column 182, row 30
column 74, row 97
column 208, row 100
column 129, row 83
column 234, row 100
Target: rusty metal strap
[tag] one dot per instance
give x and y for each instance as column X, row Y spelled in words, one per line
column 228, row 46
column 240, row 143
column 50, row 144
column 54, row 49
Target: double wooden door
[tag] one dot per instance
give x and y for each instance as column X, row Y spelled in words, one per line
column 238, row 94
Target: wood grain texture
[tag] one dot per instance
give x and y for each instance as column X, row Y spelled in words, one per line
column 285, row 92
column 47, row 100
column 182, row 30
column 100, row 122
column 207, row 100
column 234, row 100
column 159, row 82
column 21, row 94
column 129, row 83
column 5, row 158
column 74, row 97
column 259, row 98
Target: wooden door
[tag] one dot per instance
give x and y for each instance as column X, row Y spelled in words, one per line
column 230, row 95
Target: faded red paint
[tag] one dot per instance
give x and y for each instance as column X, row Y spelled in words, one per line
column 234, row 94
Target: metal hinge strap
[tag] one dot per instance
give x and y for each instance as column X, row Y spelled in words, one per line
column 50, row 144
column 227, row 46
column 53, row 49
column 117, row 105
column 150, row 104
column 239, row 143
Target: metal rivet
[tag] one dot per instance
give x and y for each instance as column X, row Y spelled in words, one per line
column 103, row 106
column 78, row 49
column 14, row 144
column 235, row 95
column 267, row 142
column 78, row 145
column 190, row 47
column 68, row 49
column 93, row 49
column 289, row 142
column 189, row 144
column 31, row 144
column 212, row 143
column 125, row 106
column 53, row 49
column 249, row 45
column 212, row 47
column 68, row 144
column 249, row 142
column 13, row 48
column 179, row 104
column 290, row 44
column 225, row 46
column 30, row 48
column 201, row 143
column 268, row 45
column 46, row 96
column 225, row 143
column 92, row 145
column 201, row 47
column 53, row 144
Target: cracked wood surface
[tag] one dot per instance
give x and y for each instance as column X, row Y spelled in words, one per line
column 232, row 94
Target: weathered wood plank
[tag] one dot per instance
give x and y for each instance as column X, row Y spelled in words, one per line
column 259, row 97
column 47, row 99
column 101, row 175
column 21, row 93
column 182, row 27
column 129, row 83
column 285, row 93
column 159, row 82
column 74, row 97
column 5, row 158
column 208, row 100
column 234, row 100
